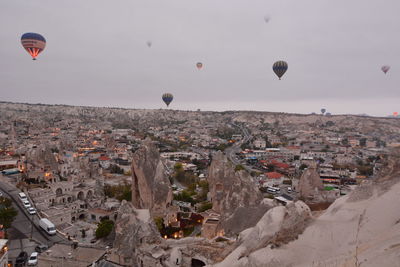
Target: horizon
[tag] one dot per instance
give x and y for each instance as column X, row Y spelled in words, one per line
column 389, row 116
column 335, row 51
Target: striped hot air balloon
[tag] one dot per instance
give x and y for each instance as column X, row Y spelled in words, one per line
column 167, row 98
column 385, row 69
column 33, row 43
column 199, row 65
column 280, row 67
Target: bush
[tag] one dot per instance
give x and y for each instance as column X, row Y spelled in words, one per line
column 104, row 228
column 239, row 167
column 269, row 196
column 205, row 206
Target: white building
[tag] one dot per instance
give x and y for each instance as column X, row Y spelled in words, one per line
column 260, row 144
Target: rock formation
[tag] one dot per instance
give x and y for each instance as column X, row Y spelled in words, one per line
column 359, row 229
column 45, row 157
column 312, row 191
column 150, row 186
column 138, row 243
column 310, row 184
column 278, row 226
column 234, row 195
column 133, row 229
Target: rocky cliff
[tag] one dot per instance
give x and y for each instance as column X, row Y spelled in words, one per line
column 133, row 228
column 278, row 226
column 234, row 195
column 150, row 185
column 359, row 229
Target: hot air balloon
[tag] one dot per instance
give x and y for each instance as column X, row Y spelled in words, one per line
column 33, row 43
column 266, row 19
column 395, row 114
column 167, row 98
column 149, row 43
column 323, row 110
column 199, row 65
column 385, row 69
column 280, row 67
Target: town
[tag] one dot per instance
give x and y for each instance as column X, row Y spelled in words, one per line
column 73, row 168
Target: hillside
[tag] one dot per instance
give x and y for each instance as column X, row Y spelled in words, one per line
column 360, row 229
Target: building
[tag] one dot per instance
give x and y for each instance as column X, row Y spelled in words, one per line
column 274, row 178
column 10, row 164
column 3, row 253
column 260, row 144
column 210, row 224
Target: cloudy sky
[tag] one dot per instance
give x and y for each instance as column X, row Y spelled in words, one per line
column 96, row 54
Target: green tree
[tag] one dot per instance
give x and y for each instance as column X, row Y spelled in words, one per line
column 120, row 192
column 7, row 212
column 205, row 206
column 104, row 228
column 185, row 196
column 159, row 223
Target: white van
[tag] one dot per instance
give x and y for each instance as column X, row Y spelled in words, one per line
column 22, row 197
column 48, row 226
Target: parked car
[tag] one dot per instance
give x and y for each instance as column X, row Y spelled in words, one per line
column 21, row 259
column 289, row 190
column 31, row 210
column 41, row 248
column 22, row 196
column 33, row 259
column 26, row 204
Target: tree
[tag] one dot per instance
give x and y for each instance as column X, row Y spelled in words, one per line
column 303, row 166
column 159, row 223
column 7, row 212
column 205, row 206
column 104, row 228
column 116, row 169
column 271, row 167
column 185, row 196
column 120, row 192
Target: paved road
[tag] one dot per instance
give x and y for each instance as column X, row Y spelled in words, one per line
column 22, row 228
column 235, row 148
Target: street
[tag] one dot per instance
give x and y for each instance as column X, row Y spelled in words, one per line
column 23, row 235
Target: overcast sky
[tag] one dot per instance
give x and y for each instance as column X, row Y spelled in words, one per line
column 96, row 54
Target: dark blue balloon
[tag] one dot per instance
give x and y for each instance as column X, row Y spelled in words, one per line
column 167, row 98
